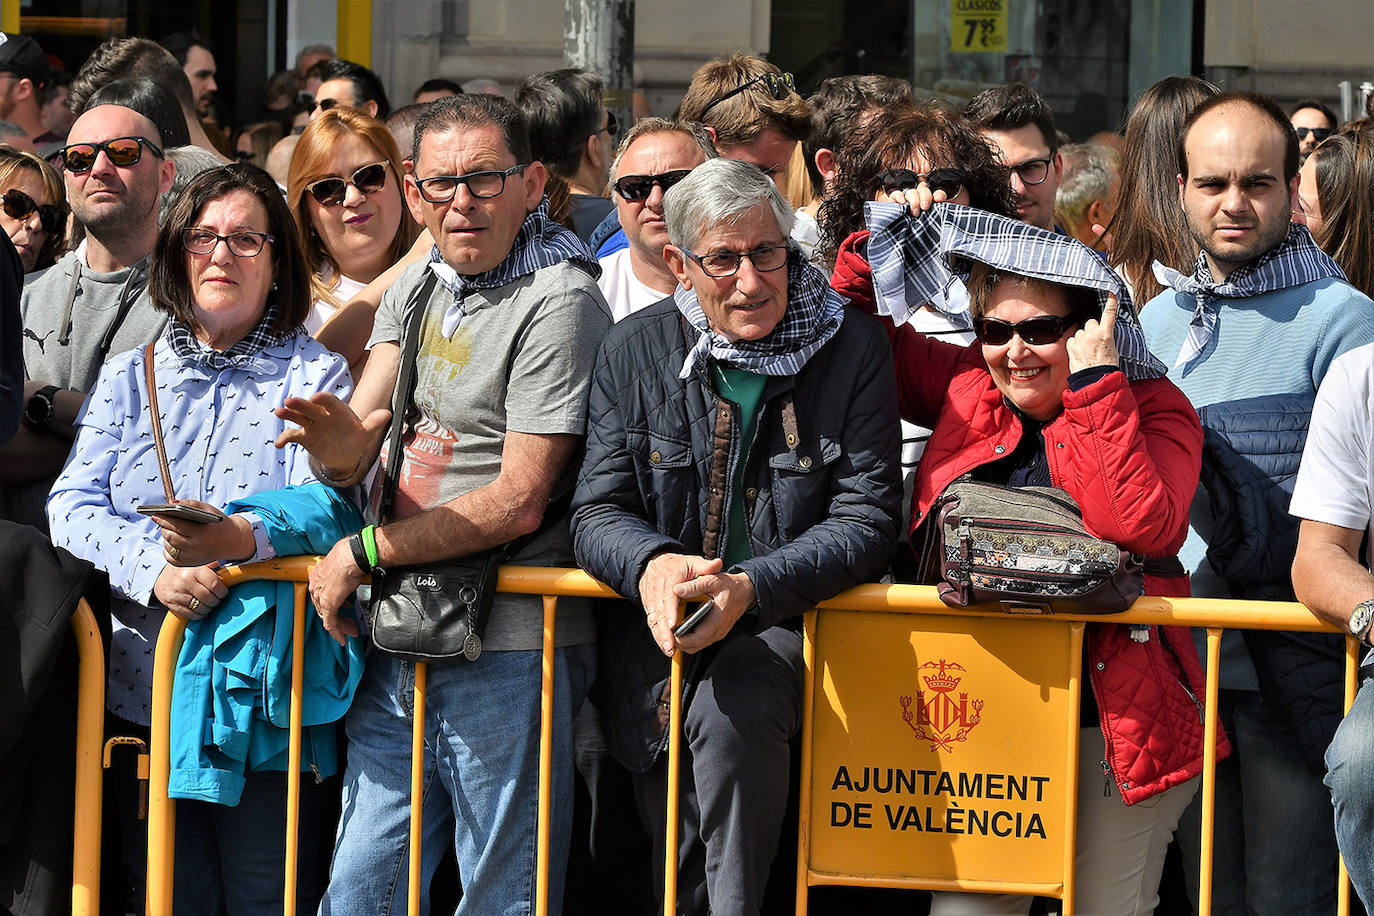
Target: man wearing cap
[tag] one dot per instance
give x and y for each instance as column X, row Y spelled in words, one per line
column 91, row 303
column 24, row 71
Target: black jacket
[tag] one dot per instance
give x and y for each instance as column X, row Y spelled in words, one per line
column 41, row 585
column 1250, row 456
column 823, row 511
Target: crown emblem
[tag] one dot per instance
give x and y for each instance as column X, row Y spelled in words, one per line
column 938, row 717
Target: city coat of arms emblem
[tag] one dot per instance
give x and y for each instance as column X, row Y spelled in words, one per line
column 938, row 716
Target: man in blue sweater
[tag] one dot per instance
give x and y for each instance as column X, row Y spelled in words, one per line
column 1263, row 314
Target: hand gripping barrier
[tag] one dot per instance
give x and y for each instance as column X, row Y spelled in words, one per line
column 872, row 601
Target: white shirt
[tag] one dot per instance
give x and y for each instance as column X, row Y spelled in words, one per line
column 321, row 310
column 1336, row 482
column 625, row 293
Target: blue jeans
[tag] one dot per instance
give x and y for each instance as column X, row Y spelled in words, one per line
column 481, row 782
column 1349, row 763
column 1273, row 850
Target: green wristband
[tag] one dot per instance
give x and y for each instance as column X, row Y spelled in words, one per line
column 369, row 534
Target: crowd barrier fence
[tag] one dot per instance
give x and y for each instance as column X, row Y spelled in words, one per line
column 876, row 602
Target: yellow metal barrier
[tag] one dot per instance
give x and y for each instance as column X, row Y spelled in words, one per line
column 90, row 732
column 554, row 583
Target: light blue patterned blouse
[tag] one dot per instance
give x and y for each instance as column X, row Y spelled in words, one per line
column 219, row 428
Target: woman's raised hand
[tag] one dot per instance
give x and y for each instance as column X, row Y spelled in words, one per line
column 329, row 430
column 1094, row 344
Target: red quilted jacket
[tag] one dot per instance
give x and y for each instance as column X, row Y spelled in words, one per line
column 1130, row 454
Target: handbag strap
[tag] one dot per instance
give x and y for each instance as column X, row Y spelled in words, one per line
column 151, row 380
column 403, row 405
column 403, row 400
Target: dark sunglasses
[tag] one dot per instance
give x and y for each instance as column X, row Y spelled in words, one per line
column 329, row 192
column 1320, row 133
column 779, row 86
column 324, row 104
column 612, row 126
column 639, row 187
column 121, row 151
column 947, row 180
column 1037, row 331
column 19, row 205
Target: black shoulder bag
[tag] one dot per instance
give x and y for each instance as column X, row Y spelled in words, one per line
column 436, row 613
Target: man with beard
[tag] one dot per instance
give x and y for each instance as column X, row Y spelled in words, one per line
column 93, row 302
column 1262, row 316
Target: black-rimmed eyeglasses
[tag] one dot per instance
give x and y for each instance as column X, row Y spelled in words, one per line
column 241, row 244
column 440, row 189
column 779, row 86
column 720, row 264
column 1033, row 171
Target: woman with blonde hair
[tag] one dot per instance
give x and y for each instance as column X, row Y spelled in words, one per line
column 33, row 208
column 345, row 191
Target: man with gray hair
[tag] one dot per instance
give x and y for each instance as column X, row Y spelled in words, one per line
column 655, row 155
column 1087, row 191
column 509, row 319
column 750, row 461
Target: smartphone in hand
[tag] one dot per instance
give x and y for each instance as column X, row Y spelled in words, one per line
column 176, row 510
column 695, row 618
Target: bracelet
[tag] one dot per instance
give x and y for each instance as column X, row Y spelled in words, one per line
column 355, row 544
column 369, row 538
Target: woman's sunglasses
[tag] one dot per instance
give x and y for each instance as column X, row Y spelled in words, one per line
column 1037, row 331
column 19, row 205
column 947, row 180
column 329, row 192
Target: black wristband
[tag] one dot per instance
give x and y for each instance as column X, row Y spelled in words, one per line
column 355, row 544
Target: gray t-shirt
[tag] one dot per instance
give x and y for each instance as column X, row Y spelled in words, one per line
column 74, row 320
column 521, row 359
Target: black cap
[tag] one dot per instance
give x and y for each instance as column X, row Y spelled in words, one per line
column 21, row 55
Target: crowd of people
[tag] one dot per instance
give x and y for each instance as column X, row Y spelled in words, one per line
column 733, row 357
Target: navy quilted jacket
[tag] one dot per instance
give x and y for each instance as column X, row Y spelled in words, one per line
column 1250, row 457
column 823, row 514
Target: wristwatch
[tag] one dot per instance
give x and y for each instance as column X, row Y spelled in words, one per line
column 39, row 408
column 1360, row 618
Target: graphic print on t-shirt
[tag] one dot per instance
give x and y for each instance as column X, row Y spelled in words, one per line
column 429, row 446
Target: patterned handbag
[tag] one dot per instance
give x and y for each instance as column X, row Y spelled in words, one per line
column 1026, row 549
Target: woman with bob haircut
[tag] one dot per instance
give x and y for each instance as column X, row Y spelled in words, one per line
column 227, row 268
column 345, row 191
column 33, row 208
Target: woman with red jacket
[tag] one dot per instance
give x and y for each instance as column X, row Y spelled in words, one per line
column 1044, row 398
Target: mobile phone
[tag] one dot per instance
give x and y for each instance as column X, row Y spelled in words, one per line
column 176, row 510
column 695, row 618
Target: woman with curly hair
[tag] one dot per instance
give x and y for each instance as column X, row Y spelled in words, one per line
column 905, row 145
column 895, row 152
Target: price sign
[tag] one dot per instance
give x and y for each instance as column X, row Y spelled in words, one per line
column 978, row 26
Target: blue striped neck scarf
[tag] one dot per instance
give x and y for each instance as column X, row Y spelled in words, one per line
column 242, row 355
column 921, row 258
column 814, row 313
column 1293, row 262
column 540, row 243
